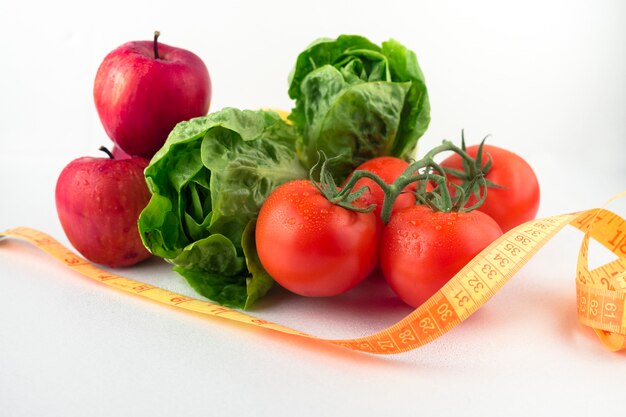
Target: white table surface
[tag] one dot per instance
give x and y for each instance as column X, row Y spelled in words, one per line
column 546, row 80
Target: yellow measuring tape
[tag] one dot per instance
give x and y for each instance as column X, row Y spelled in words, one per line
column 600, row 292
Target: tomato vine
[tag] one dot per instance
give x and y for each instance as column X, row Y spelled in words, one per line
column 421, row 172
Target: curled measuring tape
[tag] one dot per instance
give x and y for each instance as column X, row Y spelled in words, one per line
column 601, row 293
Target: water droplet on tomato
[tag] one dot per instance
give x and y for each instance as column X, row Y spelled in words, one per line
column 291, row 220
column 438, row 227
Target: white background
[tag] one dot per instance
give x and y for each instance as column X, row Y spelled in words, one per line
column 544, row 78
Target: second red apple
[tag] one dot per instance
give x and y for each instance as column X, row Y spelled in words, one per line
column 144, row 88
column 98, row 201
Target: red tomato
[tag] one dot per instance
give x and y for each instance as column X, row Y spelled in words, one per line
column 311, row 246
column 518, row 201
column 388, row 168
column 422, row 249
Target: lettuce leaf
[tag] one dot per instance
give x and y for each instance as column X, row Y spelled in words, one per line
column 208, row 183
column 355, row 100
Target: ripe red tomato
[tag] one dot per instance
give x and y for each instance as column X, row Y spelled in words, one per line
column 518, row 201
column 388, row 168
column 422, row 249
column 311, row 246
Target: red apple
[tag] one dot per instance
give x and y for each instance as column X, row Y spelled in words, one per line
column 144, row 88
column 98, row 201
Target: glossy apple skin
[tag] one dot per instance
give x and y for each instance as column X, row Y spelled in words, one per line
column 140, row 99
column 118, row 153
column 98, row 201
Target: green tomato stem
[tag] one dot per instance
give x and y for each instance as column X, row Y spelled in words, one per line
column 423, row 172
column 449, row 146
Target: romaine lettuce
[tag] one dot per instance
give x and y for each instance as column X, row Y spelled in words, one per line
column 355, row 100
column 208, row 182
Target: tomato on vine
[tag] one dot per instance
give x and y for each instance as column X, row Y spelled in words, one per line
column 315, row 241
column 515, row 198
column 422, row 249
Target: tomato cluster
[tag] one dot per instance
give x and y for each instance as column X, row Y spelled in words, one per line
column 398, row 218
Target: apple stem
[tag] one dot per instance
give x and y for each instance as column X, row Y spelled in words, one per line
column 156, row 45
column 106, row 151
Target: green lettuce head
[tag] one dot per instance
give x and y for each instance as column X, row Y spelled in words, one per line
column 208, row 183
column 356, row 100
